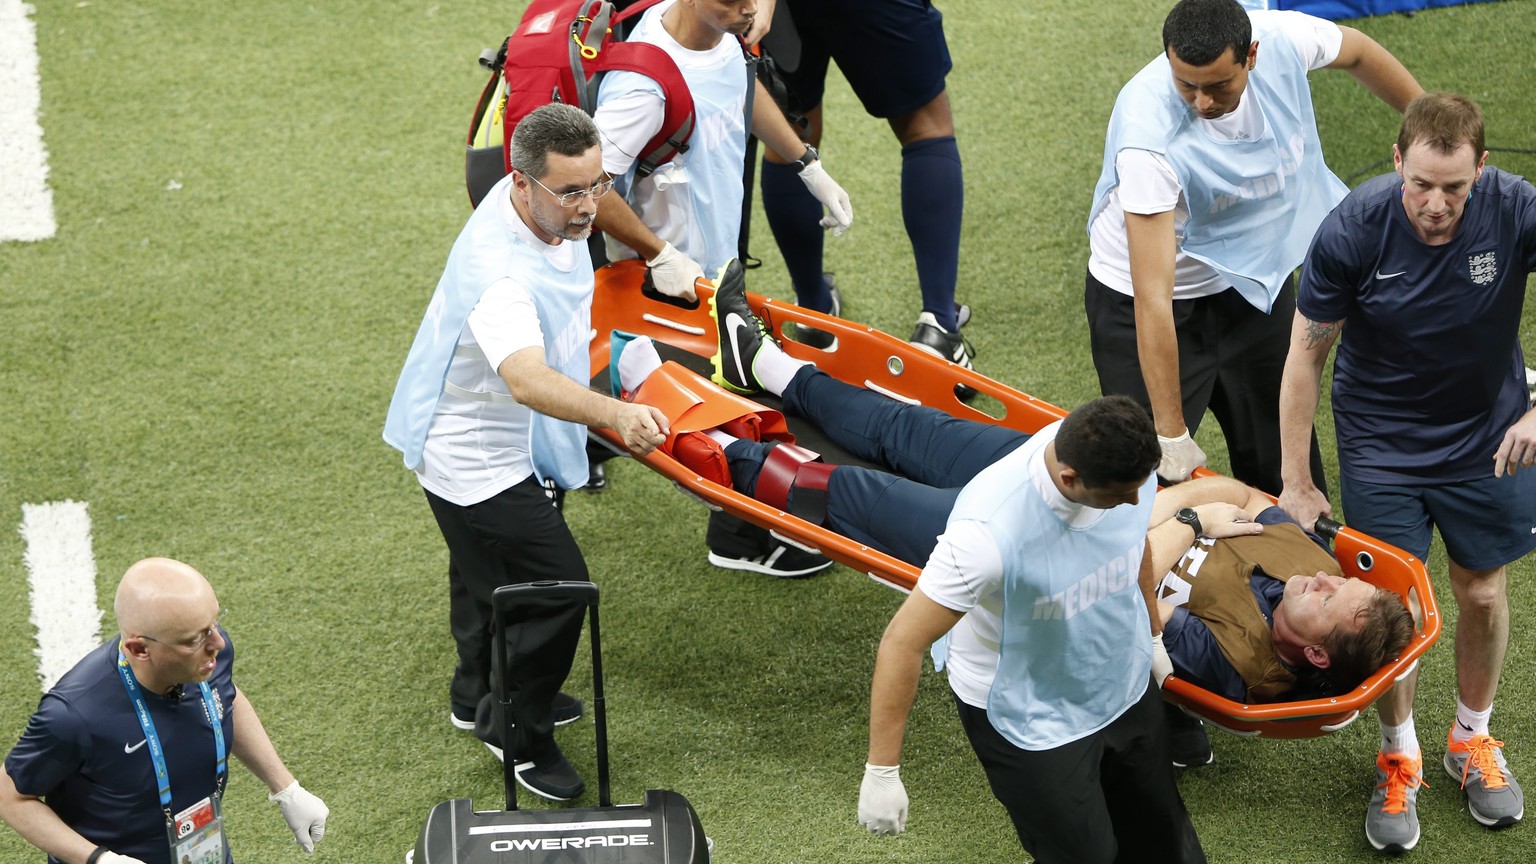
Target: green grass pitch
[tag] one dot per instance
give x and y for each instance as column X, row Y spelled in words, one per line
column 254, row 202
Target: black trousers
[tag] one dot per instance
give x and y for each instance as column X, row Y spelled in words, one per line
column 1231, row 358
column 515, row 536
column 1109, row 798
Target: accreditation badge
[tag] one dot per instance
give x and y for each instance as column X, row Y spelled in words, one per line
column 197, row 834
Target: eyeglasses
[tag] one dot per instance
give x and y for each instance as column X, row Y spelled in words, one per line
column 193, row 644
column 571, row 199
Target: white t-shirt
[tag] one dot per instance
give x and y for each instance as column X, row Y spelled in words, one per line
column 1148, row 184
column 478, row 447
column 965, row 573
column 626, row 122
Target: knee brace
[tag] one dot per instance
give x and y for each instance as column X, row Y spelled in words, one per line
column 791, row 468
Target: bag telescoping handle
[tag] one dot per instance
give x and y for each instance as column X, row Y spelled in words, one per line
column 572, row 592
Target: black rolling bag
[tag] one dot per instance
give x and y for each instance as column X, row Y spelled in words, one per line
column 662, row 830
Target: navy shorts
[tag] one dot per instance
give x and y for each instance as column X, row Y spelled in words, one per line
column 892, row 52
column 1485, row 523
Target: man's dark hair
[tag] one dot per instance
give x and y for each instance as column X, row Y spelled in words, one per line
column 1108, row 440
column 1386, row 627
column 552, row 128
column 1442, row 122
column 1200, row 32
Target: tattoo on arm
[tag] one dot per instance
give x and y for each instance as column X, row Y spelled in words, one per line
column 1322, row 332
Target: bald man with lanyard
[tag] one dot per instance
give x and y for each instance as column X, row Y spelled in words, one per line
column 81, row 784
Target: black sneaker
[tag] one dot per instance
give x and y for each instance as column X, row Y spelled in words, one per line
column 1188, row 745
column 567, row 710
column 962, row 315
column 597, row 477
column 783, row 560
column 741, row 333
column 819, row 338
column 953, row 347
column 550, row 775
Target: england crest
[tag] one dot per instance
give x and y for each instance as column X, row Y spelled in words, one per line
column 1482, row 268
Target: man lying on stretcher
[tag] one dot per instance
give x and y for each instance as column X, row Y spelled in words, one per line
column 1225, row 584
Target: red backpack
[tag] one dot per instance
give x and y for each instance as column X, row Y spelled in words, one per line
column 558, row 54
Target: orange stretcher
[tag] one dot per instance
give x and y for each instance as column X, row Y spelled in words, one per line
column 881, row 362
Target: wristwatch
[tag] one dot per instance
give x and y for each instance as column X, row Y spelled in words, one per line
column 1189, row 517
column 805, row 161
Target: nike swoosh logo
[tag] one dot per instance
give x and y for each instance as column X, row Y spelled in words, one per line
column 1381, row 275
column 733, row 323
column 130, row 748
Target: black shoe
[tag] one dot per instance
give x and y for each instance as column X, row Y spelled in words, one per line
column 741, row 333
column 550, row 775
column 1188, row 745
column 567, row 710
column 962, row 315
column 783, row 560
column 819, row 338
column 597, row 477
column 953, row 347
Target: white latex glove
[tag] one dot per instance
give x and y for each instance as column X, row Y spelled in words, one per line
column 882, row 800
column 114, row 858
column 673, row 272
column 1162, row 665
column 1181, row 456
column 304, row 813
column 839, row 208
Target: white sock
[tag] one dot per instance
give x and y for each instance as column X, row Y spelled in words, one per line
column 774, row 369
column 1469, row 723
column 1400, row 739
column 721, row 438
column 637, row 361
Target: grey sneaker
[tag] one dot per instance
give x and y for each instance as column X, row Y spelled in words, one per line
column 1493, row 796
column 1392, row 817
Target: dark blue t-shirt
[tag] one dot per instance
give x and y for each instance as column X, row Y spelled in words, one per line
column 1429, row 373
column 84, row 754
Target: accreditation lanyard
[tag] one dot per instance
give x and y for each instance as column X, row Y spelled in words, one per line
column 157, row 753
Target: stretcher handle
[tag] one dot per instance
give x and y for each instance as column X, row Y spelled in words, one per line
column 1327, row 528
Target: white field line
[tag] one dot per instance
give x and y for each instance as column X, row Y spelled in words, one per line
column 61, row 572
column 26, row 204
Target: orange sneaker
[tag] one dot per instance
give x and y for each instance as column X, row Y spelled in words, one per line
column 1392, row 817
column 1493, row 796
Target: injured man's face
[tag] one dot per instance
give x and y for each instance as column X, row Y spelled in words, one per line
column 1314, row 606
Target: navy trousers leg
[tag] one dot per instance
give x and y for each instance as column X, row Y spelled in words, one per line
column 937, row 453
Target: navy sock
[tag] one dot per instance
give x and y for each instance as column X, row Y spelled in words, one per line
column 794, row 215
column 932, row 199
